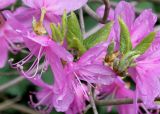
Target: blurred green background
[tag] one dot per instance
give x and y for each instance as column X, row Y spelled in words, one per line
column 23, row 88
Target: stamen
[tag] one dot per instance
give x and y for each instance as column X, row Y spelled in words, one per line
column 35, row 66
column 85, row 93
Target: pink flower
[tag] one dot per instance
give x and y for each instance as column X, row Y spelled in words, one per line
column 6, row 3
column 9, row 39
column 40, row 46
column 89, row 69
column 145, row 73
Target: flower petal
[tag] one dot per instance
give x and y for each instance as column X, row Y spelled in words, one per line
column 98, row 74
column 128, row 17
column 56, row 6
column 60, row 51
column 6, row 3
column 143, row 25
column 93, row 53
column 4, row 52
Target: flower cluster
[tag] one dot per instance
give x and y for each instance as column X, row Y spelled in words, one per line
column 124, row 66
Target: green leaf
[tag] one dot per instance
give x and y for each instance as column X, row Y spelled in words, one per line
column 74, row 36
column 56, row 33
column 64, row 24
column 125, row 40
column 99, row 36
column 110, row 48
column 74, row 27
column 145, row 43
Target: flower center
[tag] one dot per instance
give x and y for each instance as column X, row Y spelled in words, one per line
column 38, row 26
column 113, row 60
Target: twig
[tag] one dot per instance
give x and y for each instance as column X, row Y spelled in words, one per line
column 8, row 73
column 12, row 104
column 7, row 103
column 106, row 11
column 91, row 13
column 15, row 81
column 92, row 101
column 23, row 109
column 87, row 108
column 82, row 21
column 107, row 102
column 92, row 31
column 11, row 83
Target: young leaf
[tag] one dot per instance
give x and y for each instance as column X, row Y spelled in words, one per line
column 74, row 36
column 125, row 40
column 56, row 33
column 74, row 27
column 99, row 36
column 145, row 43
column 64, row 24
column 110, row 48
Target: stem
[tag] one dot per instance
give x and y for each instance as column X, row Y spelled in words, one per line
column 107, row 102
column 82, row 21
column 11, row 83
column 106, row 11
column 91, row 13
column 92, row 101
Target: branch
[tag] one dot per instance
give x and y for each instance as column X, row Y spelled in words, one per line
column 90, row 12
column 92, row 101
column 107, row 102
column 8, row 73
column 92, row 31
column 11, row 83
column 106, row 11
column 7, row 103
column 23, row 109
column 11, row 104
column 16, row 81
column 82, row 21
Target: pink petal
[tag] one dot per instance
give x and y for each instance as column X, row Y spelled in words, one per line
column 98, row 74
column 3, row 52
column 127, row 15
column 26, row 19
column 60, row 51
column 55, row 6
column 143, row 25
column 6, row 3
column 93, row 53
column 63, row 95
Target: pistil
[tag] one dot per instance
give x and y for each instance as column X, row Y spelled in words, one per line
column 38, row 27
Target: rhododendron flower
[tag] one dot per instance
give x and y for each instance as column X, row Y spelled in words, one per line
column 58, row 94
column 6, row 3
column 9, row 38
column 144, row 73
column 89, row 69
column 38, row 45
